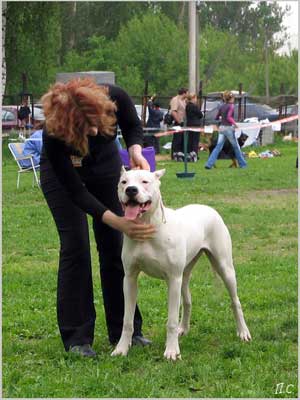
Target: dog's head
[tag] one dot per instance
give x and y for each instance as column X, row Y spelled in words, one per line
column 242, row 139
column 138, row 192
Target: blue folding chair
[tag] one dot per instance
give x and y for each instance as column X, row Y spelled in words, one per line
column 16, row 150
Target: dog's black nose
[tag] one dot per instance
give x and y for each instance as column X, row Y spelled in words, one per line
column 131, row 191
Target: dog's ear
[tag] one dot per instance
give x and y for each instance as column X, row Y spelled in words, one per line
column 158, row 174
column 123, row 169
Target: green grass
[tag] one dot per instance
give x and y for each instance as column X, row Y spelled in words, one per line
column 259, row 205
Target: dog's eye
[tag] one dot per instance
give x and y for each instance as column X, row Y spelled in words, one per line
column 145, row 182
column 123, row 182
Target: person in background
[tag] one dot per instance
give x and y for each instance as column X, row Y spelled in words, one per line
column 24, row 115
column 177, row 109
column 193, row 118
column 226, row 130
column 155, row 117
column 33, row 145
column 80, row 171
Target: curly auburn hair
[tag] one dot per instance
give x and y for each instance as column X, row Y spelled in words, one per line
column 72, row 108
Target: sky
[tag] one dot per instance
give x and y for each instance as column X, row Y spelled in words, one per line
column 291, row 22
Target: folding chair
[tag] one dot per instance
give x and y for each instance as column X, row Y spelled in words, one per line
column 16, row 150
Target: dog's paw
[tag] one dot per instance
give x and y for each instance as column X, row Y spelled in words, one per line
column 244, row 335
column 120, row 351
column 182, row 330
column 172, row 354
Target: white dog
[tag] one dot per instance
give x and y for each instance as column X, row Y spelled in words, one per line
column 182, row 236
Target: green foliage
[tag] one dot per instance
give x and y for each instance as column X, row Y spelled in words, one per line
column 243, row 19
column 224, row 65
column 32, row 45
column 220, row 60
column 259, row 205
column 142, row 41
column 156, row 48
column 149, row 48
column 286, row 68
column 92, row 59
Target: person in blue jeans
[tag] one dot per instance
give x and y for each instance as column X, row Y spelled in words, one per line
column 226, row 130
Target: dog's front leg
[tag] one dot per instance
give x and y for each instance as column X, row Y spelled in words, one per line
column 172, row 351
column 130, row 295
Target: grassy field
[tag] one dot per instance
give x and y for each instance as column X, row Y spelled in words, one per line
column 259, row 205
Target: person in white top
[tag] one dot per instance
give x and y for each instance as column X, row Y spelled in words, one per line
column 177, row 109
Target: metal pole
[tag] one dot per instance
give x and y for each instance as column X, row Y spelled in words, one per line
column 197, row 50
column 192, row 47
column 185, row 174
column 240, row 102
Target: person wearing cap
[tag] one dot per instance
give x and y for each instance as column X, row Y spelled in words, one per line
column 33, row 145
column 226, row 130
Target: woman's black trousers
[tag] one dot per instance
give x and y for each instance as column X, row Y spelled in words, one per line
column 75, row 306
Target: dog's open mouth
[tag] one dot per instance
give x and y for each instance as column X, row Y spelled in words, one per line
column 133, row 209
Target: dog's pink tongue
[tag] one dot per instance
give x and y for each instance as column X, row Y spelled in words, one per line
column 131, row 212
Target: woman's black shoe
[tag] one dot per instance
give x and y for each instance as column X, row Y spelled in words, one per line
column 140, row 341
column 84, row 350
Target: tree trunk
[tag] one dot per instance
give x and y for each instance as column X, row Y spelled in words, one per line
column 72, row 18
column 181, row 14
column 267, row 78
column 4, row 8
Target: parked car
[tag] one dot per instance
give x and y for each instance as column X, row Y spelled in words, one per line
column 253, row 110
column 9, row 118
column 260, row 111
column 291, row 126
column 37, row 111
column 292, row 110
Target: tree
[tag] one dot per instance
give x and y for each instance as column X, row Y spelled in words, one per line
column 93, row 59
column 269, row 22
column 284, row 69
column 245, row 19
column 68, row 13
column 142, row 41
column 139, row 53
column 221, row 61
column 32, row 43
column 96, row 18
column 156, row 49
column 4, row 8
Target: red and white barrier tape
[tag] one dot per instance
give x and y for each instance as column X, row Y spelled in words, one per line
column 215, row 128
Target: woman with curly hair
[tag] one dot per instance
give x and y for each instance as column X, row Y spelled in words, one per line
column 80, row 169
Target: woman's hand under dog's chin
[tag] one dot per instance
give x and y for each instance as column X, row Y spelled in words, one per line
column 135, row 229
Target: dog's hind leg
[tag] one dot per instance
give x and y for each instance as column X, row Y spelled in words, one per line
column 184, row 326
column 222, row 263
